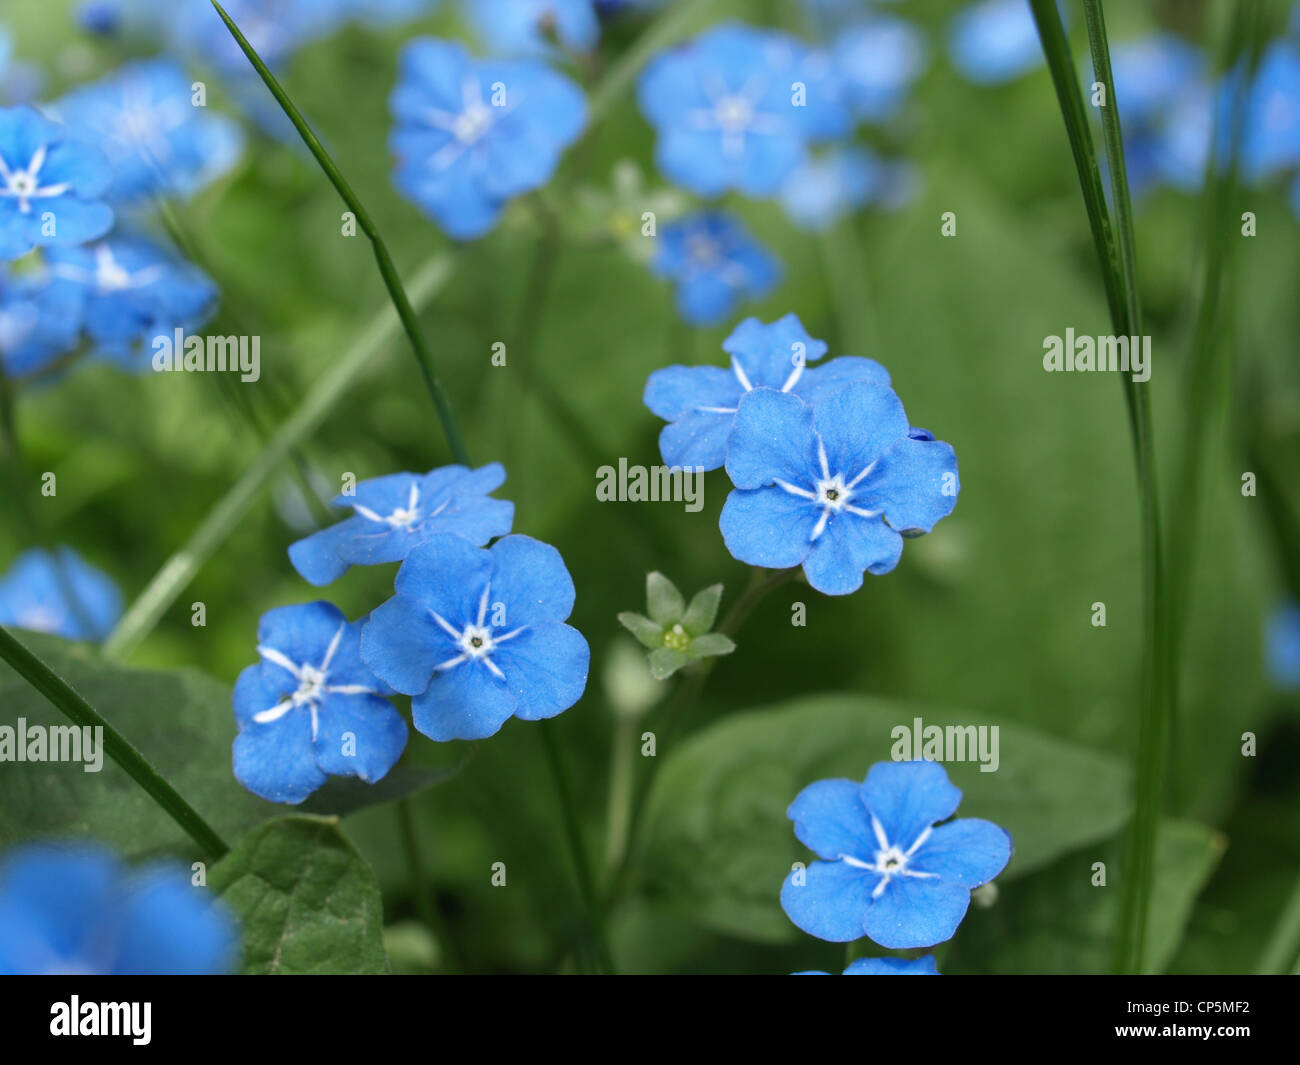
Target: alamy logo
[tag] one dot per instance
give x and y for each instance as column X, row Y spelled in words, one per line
column 953, row 743
column 102, row 1018
column 1071, row 354
column 179, row 353
column 651, row 484
column 53, row 743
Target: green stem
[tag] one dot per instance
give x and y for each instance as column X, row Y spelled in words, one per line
column 622, row 777
column 222, row 520
column 573, row 832
column 1118, row 261
column 28, row 666
column 392, row 281
column 421, row 890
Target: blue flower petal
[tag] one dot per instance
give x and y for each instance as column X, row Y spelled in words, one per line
column 909, row 484
column 378, row 736
column 772, row 439
column 402, row 644
column 301, row 633
column 819, row 382
column 170, row 928
column 767, row 527
column 317, row 558
column 546, row 668
column 848, row 545
column 770, row 353
column 676, row 391
column 464, row 703
column 697, row 440
column 830, row 820
column 969, row 851
column 831, row 902
column 53, row 898
column 857, row 425
column 445, row 574
column 916, row 912
column 909, row 797
column 926, row 966
column 276, row 760
column 531, row 580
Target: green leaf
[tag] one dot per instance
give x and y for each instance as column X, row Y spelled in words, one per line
column 646, row 631
column 180, row 721
column 702, row 612
column 710, row 644
column 719, row 843
column 307, row 902
column 340, row 796
column 666, row 661
column 1058, row 921
column 663, row 600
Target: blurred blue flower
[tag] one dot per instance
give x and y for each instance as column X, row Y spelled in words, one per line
column 477, row 636
column 528, row 27
column 1283, row 641
column 714, row 262
column 889, row 870
column 699, row 402
column 737, row 107
column 993, row 41
column 77, row 910
column 925, row 966
column 50, row 185
column 130, row 292
column 829, row 187
column 396, row 513
column 60, row 593
column 38, row 323
column 832, row 485
column 157, row 141
column 1165, row 106
column 1270, row 140
column 275, row 28
column 385, row 13
column 311, row 708
column 472, row 134
column 879, row 60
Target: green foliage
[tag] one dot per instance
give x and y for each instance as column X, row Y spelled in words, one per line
column 307, row 902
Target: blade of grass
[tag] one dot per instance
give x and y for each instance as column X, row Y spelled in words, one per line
column 387, row 270
column 1117, row 256
column 41, row 677
column 143, row 614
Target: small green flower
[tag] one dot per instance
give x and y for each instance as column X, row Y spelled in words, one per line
column 675, row 633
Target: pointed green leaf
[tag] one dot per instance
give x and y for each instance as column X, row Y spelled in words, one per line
column 702, row 612
column 307, row 902
column 663, row 600
column 646, row 631
column 666, row 661
column 710, row 644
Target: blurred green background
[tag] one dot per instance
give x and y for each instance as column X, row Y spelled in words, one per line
column 988, row 619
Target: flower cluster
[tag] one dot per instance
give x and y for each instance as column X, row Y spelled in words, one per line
column 474, row 635
column 828, row 472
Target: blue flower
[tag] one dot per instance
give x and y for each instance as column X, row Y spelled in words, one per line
column 993, row 41
column 386, row 13
column 76, row 909
column 397, row 513
column 60, row 593
column 131, row 291
column 275, row 28
column 714, row 261
column 878, row 60
column 1283, row 640
column 524, row 27
column 827, row 188
column 926, row 966
column 157, row 141
column 1270, row 138
column 832, row 485
column 470, row 135
column 38, row 323
column 889, row 870
column 50, row 185
column 477, row 636
column 699, row 402
column 311, row 708
column 736, row 108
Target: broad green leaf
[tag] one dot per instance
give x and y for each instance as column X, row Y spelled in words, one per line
column 1059, row 921
column 341, row 796
column 718, row 840
column 180, row 721
column 307, row 902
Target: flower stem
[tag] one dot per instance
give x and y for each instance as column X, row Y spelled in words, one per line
column 573, row 831
column 1118, row 261
column 391, row 278
column 222, row 520
column 41, row 677
column 421, row 890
